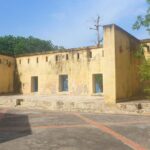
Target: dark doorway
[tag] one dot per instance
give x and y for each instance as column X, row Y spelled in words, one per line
column 34, row 84
column 63, row 83
column 98, row 83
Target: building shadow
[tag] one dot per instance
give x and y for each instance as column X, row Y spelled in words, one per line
column 17, row 86
column 13, row 126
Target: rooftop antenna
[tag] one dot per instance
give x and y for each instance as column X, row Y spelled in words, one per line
column 97, row 26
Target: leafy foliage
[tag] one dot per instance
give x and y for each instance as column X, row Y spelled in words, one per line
column 140, row 52
column 145, row 70
column 145, row 76
column 143, row 21
column 20, row 45
column 147, row 92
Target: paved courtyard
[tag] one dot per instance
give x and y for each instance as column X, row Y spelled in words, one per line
column 26, row 129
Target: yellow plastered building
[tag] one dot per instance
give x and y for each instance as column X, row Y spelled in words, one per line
column 7, row 70
column 110, row 71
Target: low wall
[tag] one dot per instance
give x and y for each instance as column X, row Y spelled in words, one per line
column 89, row 104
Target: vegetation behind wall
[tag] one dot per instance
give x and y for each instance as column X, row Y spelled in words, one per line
column 11, row 45
column 143, row 21
column 145, row 76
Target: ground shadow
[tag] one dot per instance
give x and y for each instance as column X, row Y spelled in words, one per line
column 14, row 126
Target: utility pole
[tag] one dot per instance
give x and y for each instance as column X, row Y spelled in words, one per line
column 97, row 29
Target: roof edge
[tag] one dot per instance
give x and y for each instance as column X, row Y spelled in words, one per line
column 123, row 30
column 8, row 55
column 58, row 51
column 145, row 41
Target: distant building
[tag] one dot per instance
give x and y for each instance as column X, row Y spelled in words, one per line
column 110, row 71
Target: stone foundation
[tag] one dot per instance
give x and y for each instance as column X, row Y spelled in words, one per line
column 90, row 104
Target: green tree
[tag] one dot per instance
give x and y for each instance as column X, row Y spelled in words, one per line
column 20, row 45
column 143, row 21
column 144, row 68
column 145, row 76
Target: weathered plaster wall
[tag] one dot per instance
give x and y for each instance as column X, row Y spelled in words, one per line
column 127, row 72
column 109, row 65
column 121, row 78
column 115, row 61
column 7, row 68
column 79, row 71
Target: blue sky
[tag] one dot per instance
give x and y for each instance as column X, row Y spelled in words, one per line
column 67, row 22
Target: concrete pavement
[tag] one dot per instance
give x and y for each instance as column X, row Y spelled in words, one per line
column 26, row 129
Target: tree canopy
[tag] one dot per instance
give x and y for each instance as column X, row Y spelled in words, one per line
column 12, row 45
column 144, row 68
column 143, row 21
